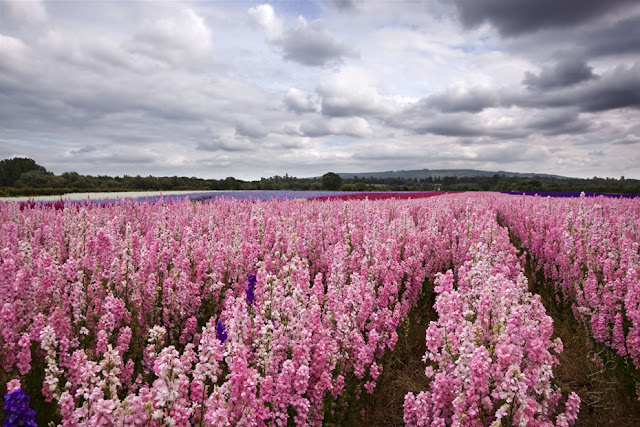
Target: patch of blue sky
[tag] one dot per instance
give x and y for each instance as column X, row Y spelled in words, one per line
column 337, row 141
column 481, row 45
column 293, row 8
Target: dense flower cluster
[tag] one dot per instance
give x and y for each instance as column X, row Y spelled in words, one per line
column 141, row 313
column 489, row 354
column 588, row 248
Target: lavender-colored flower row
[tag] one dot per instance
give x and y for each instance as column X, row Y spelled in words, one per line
column 572, row 194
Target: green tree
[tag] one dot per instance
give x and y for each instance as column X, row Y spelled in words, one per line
column 361, row 186
column 331, row 181
column 74, row 180
column 37, row 179
column 230, row 183
column 12, row 169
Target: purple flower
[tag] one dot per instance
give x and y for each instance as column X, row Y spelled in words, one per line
column 16, row 409
column 250, row 288
column 221, row 332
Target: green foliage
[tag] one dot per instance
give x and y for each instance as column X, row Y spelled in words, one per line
column 12, row 169
column 24, row 177
column 331, row 181
column 360, row 186
column 33, row 178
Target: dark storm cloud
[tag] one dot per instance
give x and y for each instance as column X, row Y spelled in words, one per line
column 513, row 18
column 571, row 84
column 611, row 98
column 619, row 38
column 550, row 115
column 618, row 88
column 313, row 45
column 565, row 73
column 555, row 113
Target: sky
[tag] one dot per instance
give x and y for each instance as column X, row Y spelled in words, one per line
column 249, row 89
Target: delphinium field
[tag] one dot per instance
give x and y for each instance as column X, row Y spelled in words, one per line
column 270, row 313
column 209, row 313
column 588, row 249
column 490, row 353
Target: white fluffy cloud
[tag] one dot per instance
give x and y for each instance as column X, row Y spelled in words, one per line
column 350, row 126
column 353, row 91
column 305, row 43
column 264, row 17
column 176, row 39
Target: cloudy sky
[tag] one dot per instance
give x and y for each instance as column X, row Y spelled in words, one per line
column 250, row 89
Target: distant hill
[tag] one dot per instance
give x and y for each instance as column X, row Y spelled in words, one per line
column 433, row 173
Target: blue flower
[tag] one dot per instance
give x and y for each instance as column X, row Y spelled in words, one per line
column 16, row 409
column 221, row 332
column 251, row 287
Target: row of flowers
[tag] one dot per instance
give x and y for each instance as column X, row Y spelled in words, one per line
column 489, row 355
column 588, row 249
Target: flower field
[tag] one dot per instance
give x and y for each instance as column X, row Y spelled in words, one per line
column 588, row 248
column 274, row 312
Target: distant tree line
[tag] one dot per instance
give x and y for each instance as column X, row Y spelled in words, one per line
column 24, row 177
column 496, row 182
